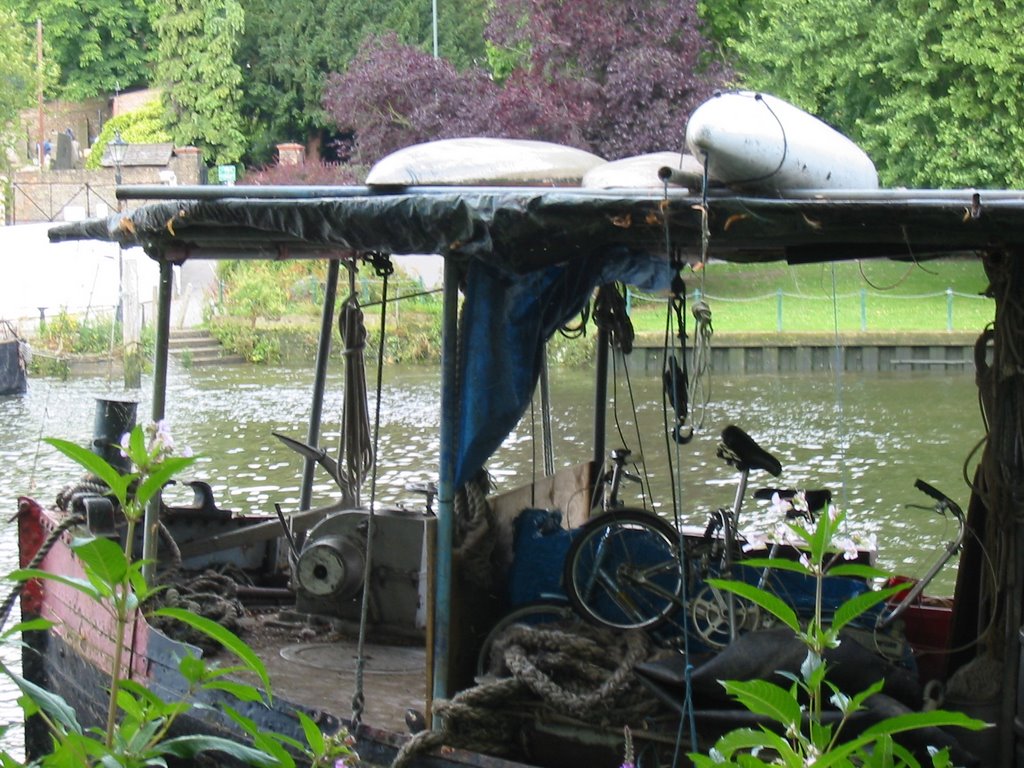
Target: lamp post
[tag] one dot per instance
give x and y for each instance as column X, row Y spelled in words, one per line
column 118, row 148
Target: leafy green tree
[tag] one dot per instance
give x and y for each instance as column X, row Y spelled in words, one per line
column 201, row 80
column 98, row 45
column 288, row 49
column 144, row 125
column 17, row 75
column 929, row 88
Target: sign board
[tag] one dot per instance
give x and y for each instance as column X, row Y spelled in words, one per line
column 226, row 174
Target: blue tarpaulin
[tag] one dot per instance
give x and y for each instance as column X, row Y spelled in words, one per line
column 506, row 320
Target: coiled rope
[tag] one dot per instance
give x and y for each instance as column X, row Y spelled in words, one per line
column 586, row 672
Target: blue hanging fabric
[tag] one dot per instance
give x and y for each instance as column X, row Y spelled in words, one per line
column 506, row 320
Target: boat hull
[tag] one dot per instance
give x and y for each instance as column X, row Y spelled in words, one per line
column 72, row 659
column 13, row 377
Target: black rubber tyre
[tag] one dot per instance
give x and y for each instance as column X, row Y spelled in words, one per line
column 623, row 570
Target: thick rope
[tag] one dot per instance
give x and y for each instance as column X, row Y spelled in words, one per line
column 584, row 672
column 384, row 270
column 37, row 559
column 355, row 453
column 474, row 535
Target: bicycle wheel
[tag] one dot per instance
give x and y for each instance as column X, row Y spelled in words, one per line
column 532, row 614
column 623, row 570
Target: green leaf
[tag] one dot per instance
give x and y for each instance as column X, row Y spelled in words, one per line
column 137, row 445
column 856, row 606
column 225, row 637
column 241, row 691
column 82, row 585
column 188, row 747
column 314, row 736
column 98, row 466
column 159, row 476
column 28, row 626
column 857, row 570
column 55, row 707
column 764, row 698
column 104, row 561
column 762, row 598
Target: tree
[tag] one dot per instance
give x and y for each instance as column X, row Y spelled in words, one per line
column 200, row 79
column 633, row 69
column 288, row 49
column 618, row 78
column 393, row 95
column 98, row 45
column 929, row 88
column 17, row 72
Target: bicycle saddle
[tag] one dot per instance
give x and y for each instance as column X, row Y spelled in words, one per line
column 740, row 449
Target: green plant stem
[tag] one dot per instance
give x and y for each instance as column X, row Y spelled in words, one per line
column 120, row 624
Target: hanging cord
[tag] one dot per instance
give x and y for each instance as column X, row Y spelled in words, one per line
column 700, row 383
column 675, row 389
column 843, row 437
column 383, row 267
column 610, row 314
column 355, row 455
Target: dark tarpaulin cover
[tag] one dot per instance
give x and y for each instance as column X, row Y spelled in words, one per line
column 506, row 321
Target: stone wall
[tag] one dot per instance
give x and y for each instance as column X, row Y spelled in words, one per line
column 72, row 194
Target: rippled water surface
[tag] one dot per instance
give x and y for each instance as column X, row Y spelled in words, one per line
column 867, row 437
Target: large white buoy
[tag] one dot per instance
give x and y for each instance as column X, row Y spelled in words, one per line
column 641, row 172
column 480, row 160
column 758, row 142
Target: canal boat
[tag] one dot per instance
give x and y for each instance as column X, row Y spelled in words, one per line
column 14, row 359
column 522, row 261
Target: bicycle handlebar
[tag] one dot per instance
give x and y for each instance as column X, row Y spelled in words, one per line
column 944, row 502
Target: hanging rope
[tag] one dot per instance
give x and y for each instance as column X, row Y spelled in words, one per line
column 384, row 269
column 700, row 384
column 355, row 454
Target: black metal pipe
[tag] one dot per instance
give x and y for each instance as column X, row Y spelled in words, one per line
column 600, row 394
column 151, row 531
column 323, row 354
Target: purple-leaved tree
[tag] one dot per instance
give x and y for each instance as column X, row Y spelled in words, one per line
column 617, row 77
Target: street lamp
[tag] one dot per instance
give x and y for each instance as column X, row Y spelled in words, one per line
column 118, row 148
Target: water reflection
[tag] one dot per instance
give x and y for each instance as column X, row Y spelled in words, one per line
column 866, row 437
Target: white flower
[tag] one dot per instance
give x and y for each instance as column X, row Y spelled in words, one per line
column 847, row 545
column 780, row 506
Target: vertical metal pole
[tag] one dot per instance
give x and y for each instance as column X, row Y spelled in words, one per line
column 863, row 309
column 151, row 529
column 446, row 486
column 778, row 310
column 600, row 395
column 323, row 353
column 39, row 95
column 433, row 16
column 949, row 309
column 545, row 417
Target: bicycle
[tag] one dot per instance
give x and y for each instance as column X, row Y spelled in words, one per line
column 629, row 569
column 624, row 570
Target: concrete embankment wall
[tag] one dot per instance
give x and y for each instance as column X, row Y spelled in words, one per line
column 942, row 353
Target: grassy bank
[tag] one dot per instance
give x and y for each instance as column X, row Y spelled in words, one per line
column 766, row 301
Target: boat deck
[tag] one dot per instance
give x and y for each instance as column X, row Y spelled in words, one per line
column 315, row 666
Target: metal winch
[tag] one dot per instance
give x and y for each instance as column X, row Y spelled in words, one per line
column 331, row 568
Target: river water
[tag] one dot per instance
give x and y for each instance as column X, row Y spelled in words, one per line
column 865, row 436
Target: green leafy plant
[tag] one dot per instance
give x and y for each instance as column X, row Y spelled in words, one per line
column 801, row 736
column 138, row 727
